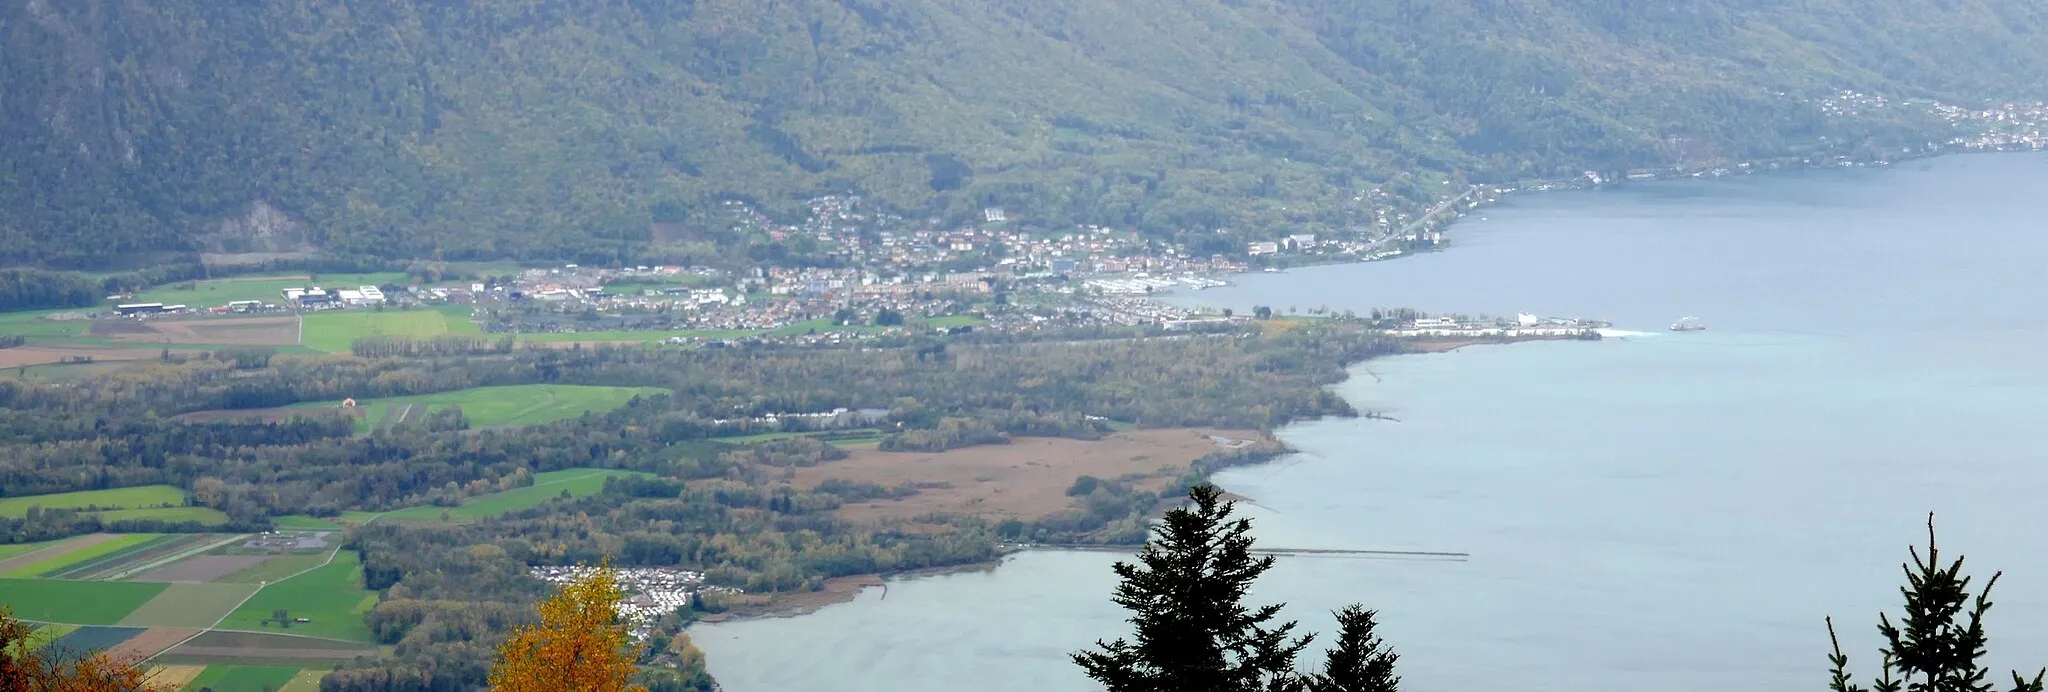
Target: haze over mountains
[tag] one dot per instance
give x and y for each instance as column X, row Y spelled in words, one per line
column 557, row 129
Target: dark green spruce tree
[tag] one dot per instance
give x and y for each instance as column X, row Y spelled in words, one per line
column 1362, row 662
column 1194, row 632
column 1937, row 645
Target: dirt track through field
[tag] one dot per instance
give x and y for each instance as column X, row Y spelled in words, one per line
column 230, row 331
column 201, row 568
column 43, row 355
column 148, row 643
column 255, row 654
column 65, row 548
column 238, row 646
column 190, row 605
column 1027, row 478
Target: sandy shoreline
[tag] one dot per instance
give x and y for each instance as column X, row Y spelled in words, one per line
column 837, row 590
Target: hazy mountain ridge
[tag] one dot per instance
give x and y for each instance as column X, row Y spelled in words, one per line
column 559, row 129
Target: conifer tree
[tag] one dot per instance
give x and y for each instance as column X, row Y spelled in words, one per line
column 1186, row 595
column 1936, row 647
column 1361, row 661
column 1195, row 634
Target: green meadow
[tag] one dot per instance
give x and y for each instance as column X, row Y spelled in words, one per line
column 205, row 515
column 546, row 486
column 331, row 596
column 114, row 498
column 13, row 549
column 526, row 404
column 274, row 569
column 75, row 602
column 302, row 522
column 242, row 678
column 333, row 331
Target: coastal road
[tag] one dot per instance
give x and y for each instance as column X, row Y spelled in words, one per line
column 1439, row 209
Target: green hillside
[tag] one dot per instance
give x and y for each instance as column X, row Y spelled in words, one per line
column 598, row 130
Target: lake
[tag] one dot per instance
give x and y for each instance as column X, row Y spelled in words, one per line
column 1661, row 511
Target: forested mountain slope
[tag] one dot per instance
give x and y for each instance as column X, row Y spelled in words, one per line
column 563, row 129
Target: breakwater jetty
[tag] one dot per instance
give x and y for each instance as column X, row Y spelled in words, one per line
column 1281, row 552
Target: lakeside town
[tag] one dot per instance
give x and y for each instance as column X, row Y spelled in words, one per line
column 866, row 274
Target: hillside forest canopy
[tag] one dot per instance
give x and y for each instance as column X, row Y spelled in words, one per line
column 610, row 131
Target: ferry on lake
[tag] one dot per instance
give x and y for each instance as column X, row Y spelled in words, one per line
column 1688, row 324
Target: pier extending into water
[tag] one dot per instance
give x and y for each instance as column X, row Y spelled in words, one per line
column 1283, row 552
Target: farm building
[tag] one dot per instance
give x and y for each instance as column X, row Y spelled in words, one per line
column 139, row 308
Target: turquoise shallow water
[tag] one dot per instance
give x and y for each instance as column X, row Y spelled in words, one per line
column 1670, row 511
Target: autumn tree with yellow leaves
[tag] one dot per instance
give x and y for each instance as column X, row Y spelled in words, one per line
column 579, row 644
column 27, row 666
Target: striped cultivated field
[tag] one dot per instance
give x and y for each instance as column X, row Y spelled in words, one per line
column 189, row 605
column 260, row 648
column 127, row 562
column 76, row 552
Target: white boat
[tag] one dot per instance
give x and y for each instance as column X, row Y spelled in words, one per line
column 1688, row 324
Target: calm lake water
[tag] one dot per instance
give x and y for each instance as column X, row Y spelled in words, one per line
column 1665, row 511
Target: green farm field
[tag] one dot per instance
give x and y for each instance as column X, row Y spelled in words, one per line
column 242, row 678
column 115, row 498
column 189, row 605
column 525, row 404
column 302, row 522
column 331, row 596
column 49, row 633
column 75, row 602
column 305, row 681
column 333, row 331
column 87, row 554
column 32, row 324
column 546, row 486
column 269, row 289
column 204, row 515
column 134, row 554
column 13, row 549
column 274, row 569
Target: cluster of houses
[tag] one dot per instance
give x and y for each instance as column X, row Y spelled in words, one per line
column 825, row 420
column 317, row 298
column 884, row 244
column 1522, row 326
column 655, row 591
column 1145, row 284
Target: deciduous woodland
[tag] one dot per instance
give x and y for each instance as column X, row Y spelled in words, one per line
column 225, row 430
